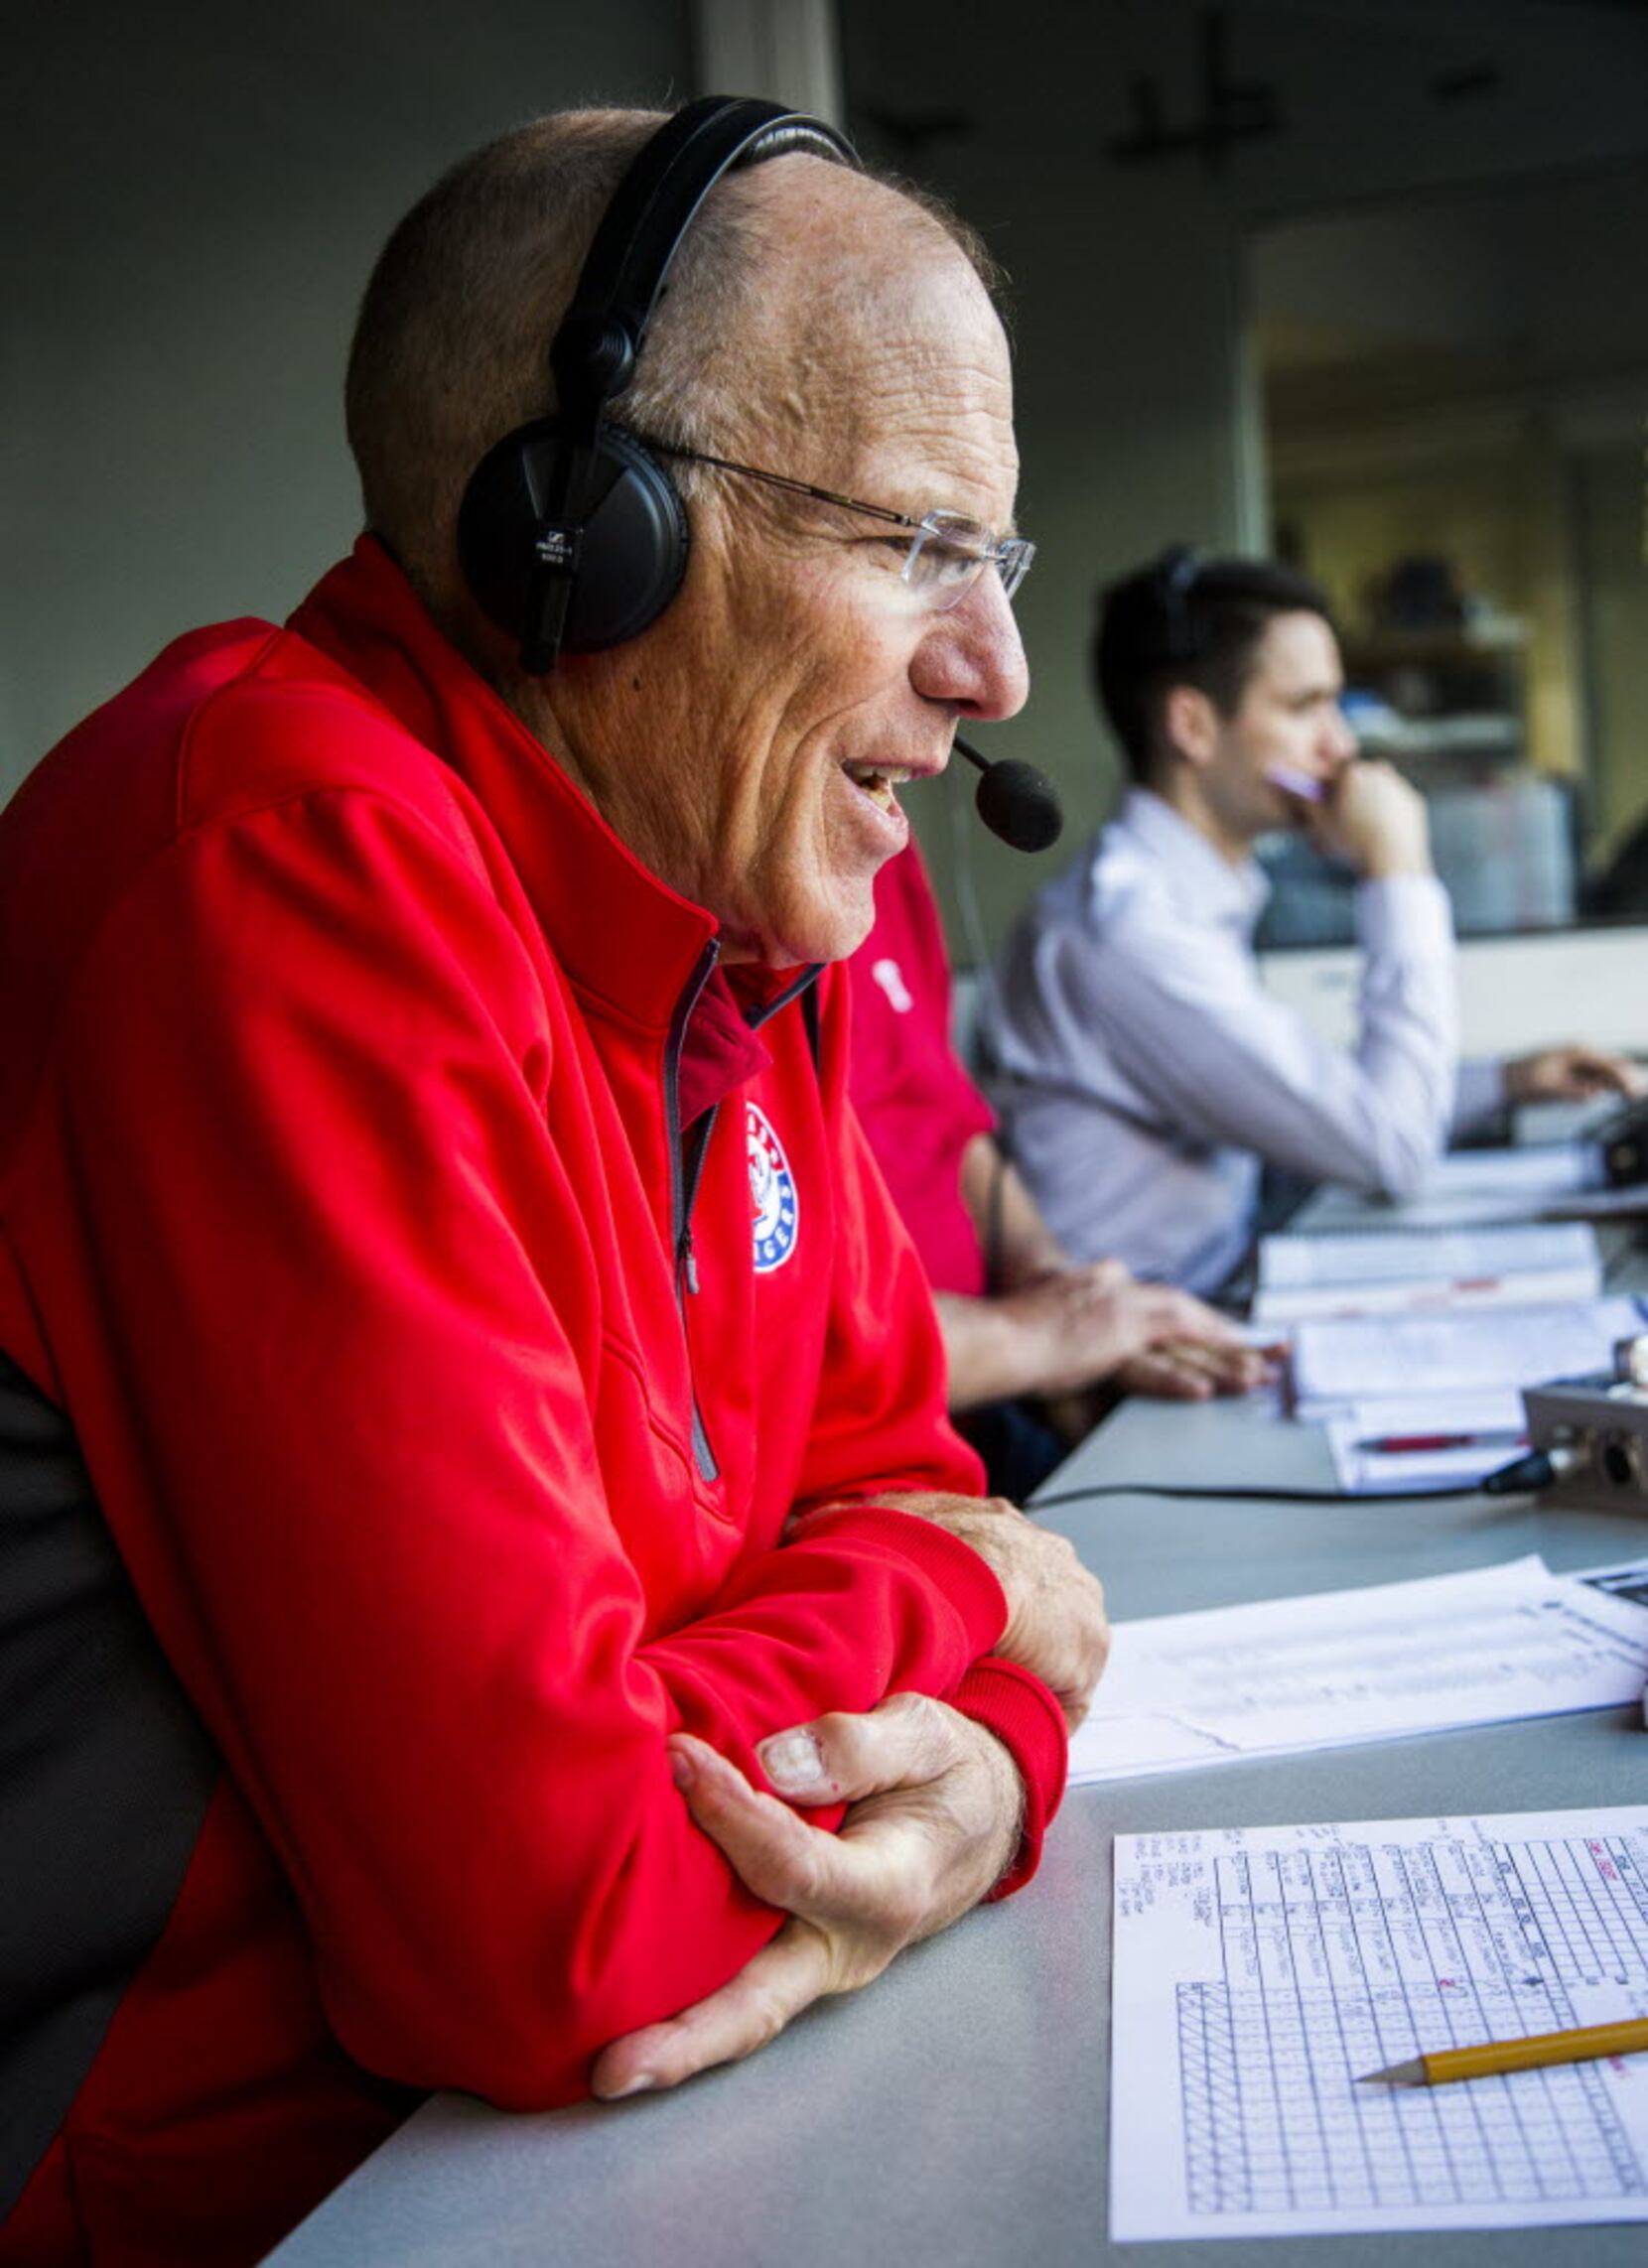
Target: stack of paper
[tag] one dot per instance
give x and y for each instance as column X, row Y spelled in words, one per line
column 1287, row 1675
column 1469, row 1188
column 1525, row 1265
column 1410, row 1400
column 1384, row 1444
column 1348, row 1358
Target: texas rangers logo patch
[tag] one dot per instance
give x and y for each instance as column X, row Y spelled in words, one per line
column 772, row 1199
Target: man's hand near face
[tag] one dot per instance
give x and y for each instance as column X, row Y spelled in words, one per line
column 933, row 1822
column 1374, row 820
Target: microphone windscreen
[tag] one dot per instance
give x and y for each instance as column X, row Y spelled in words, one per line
column 1019, row 803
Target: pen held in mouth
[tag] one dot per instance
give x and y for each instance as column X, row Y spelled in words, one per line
column 1304, row 785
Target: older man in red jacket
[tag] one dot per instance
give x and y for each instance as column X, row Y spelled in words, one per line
column 474, row 1426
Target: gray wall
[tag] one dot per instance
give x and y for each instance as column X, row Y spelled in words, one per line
column 1533, row 270
column 196, row 193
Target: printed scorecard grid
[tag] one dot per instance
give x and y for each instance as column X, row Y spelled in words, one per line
column 1260, row 1972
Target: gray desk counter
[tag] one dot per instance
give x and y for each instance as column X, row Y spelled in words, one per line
column 955, row 2113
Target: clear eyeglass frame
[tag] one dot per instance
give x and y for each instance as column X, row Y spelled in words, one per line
column 946, row 553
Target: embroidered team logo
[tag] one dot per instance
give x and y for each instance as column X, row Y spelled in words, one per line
column 772, row 1199
column 890, row 978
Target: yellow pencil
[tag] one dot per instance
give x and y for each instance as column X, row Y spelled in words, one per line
column 1627, row 2039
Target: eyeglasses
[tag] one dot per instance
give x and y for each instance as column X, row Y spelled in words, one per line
column 946, row 553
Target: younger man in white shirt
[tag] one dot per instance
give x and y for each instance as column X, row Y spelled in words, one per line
column 1143, row 1073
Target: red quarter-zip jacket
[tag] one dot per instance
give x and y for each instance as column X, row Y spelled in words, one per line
column 444, row 1400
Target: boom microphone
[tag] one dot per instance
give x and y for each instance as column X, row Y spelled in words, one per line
column 1015, row 801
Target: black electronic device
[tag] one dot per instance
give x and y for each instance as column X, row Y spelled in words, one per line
column 571, row 535
column 1623, row 1139
column 1015, row 801
column 1589, row 1437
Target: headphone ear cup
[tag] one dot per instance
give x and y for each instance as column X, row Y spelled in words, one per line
column 635, row 538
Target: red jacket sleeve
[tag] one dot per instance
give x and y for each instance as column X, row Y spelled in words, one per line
column 312, row 1314
column 884, row 1385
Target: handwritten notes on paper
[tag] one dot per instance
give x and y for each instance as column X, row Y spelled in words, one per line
column 1260, row 1971
column 1484, row 1647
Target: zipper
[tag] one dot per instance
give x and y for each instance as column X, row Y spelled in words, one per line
column 693, row 1151
column 686, row 1163
column 791, row 992
column 683, row 1188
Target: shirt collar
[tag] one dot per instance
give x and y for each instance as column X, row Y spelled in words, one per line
column 1200, row 878
column 720, row 1051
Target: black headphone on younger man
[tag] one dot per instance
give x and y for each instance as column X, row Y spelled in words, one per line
column 572, row 535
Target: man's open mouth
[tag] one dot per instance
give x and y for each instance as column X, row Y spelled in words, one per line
column 878, row 784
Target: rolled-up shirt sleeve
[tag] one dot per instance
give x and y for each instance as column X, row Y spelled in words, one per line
column 1198, row 1037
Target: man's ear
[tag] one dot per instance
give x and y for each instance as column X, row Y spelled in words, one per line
column 1191, row 724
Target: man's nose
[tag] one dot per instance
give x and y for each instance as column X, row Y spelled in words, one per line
column 972, row 656
column 1342, row 740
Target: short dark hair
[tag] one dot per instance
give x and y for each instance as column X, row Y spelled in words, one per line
column 1188, row 620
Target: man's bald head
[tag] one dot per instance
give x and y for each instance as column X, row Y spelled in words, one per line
column 452, row 347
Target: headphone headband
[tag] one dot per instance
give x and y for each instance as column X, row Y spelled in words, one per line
column 1175, row 576
column 606, row 323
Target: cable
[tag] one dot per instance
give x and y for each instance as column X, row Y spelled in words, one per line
column 1277, row 1496
column 986, row 994
column 962, row 840
column 1526, row 1475
column 1535, row 1469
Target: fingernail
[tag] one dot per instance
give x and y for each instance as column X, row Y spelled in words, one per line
column 683, row 1769
column 642, row 2083
column 793, row 1760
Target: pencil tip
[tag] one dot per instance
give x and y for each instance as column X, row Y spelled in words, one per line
column 1398, row 2075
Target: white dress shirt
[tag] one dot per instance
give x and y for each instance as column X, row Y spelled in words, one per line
column 1143, row 1072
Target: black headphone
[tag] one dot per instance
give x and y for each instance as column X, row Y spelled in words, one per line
column 1172, row 579
column 572, row 536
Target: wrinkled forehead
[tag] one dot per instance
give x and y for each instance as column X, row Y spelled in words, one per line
column 887, row 350
column 935, row 375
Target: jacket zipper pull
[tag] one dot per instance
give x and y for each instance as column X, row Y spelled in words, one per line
column 688, row 1261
